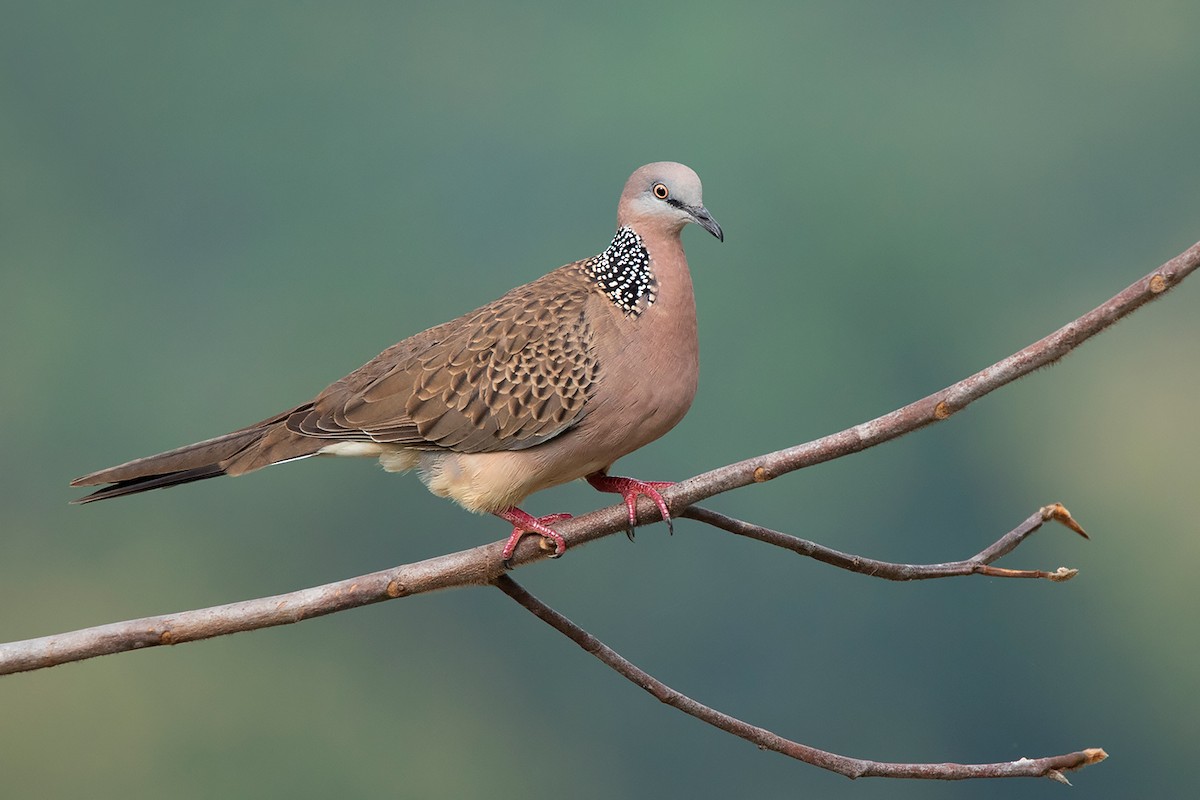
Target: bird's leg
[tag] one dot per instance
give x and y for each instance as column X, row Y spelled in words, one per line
column 630, row 489
column 523, row 523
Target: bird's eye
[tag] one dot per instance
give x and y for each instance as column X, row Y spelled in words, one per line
column 660, row 191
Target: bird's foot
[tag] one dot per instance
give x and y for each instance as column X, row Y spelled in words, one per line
column 524, row 523
column 630, row 489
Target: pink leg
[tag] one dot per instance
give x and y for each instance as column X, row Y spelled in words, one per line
column 523, row 523
column 630, row 489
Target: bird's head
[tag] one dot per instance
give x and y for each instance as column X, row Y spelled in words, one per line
column 667, row 196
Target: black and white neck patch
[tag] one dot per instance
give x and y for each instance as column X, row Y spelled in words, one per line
column 623, row 273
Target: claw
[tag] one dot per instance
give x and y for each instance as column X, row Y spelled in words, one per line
column 524, row 523
column 630, row 489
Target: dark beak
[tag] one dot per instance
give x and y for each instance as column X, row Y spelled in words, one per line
column 704, row 220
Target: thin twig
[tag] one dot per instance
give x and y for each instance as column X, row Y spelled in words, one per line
column 1049, row 767
column 978, row 564
column 481, row 565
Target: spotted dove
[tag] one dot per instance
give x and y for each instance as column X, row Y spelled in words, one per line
column 553, row 381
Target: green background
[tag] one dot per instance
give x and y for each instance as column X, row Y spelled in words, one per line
column 209, row 211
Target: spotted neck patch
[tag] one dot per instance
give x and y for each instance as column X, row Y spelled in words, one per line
column 622, row 272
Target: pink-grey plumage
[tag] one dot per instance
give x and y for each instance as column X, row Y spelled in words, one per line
column 553, row 381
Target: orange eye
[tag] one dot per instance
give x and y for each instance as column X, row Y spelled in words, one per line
column 660, row 191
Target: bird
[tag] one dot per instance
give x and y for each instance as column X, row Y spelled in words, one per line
column 551, row 382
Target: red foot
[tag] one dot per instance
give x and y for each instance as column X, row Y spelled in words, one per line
column 523, row 523
column 630, row 488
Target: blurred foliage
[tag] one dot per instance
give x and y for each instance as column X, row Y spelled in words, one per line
column 208, row 211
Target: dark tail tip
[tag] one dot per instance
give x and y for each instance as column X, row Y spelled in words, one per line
column 145, row 484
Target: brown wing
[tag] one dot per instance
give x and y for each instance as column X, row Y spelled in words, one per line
column 506, row 376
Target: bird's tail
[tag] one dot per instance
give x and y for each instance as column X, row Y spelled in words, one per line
column 250, row 448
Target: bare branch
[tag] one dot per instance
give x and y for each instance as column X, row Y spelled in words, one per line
column 1049, row 767
column 481, row 565
column 978, row 564
column 455, row 569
